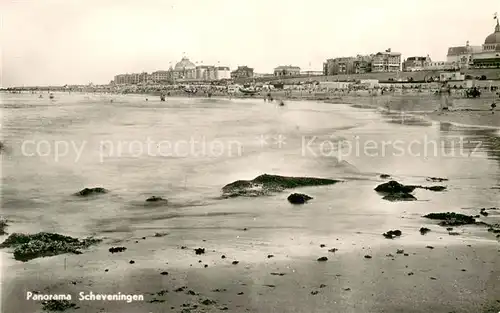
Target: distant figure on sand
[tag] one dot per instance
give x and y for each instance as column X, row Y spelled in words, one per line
column 445, row 94
column 282, row 103
column 146, row 99
column 493, row 106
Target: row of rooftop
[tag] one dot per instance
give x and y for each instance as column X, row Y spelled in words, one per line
column 467, row 56
column 185, row 71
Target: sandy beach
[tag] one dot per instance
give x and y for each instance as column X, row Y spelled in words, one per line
column 459, row 276
column 261, row 254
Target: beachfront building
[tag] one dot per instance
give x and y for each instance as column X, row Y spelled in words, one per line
column 160, row 76
column 386, row 61
column 287, row 70
column 206, row 73
column 134, row 78
column 462, row 56
column 489, row 56
column 242, row 72
column 440, row 66
column 451, row 76
column 184, row 70
column 337, row 66
column 363, row 64
column 223, row 72
column 348, row 65
column 415, row 64
column 311, row 73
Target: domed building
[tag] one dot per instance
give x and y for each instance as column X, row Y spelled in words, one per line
column 485, row 56
column 184, row 64
column 489, row 57
column 184, row 70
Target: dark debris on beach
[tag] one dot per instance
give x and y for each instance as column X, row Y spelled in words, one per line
column 394, row 191
column 28, row 247
column 451, row 218
column 391, row 234
column 267, row 184
column 58, row 305
column 91, row 191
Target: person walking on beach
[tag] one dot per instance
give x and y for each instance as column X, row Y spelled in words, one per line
column 445, row 92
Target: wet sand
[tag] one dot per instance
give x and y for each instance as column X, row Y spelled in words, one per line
column 460, row 277
column 477, row 118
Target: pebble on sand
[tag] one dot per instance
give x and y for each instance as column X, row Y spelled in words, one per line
column 424, row 230
column 199, row 250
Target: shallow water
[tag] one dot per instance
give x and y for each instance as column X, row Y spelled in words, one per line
column 108, row 146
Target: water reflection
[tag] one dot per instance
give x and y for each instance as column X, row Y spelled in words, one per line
column 471, row 142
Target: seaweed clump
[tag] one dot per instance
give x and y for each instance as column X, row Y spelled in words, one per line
column 266, row 184
column 451, row 218
column 32, row 246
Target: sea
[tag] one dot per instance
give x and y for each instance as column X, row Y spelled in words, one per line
column 186, row 149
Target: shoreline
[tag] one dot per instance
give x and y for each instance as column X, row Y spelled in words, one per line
column 469, row 112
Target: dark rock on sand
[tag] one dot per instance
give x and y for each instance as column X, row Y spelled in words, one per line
column 400, row 196
column 28, row 247
column 156, row 199
column 434, row 188
column 235, row 262
column 91, row 192
column 394, row 187
column 117, row 249
column 436, row 179
column 483, row 212
column 333, row 250
column 131, row 262
column 424, row 230
column 208, row 302
column 266, row 184
column 391, row 234
column 164, row 273
column 270, row 256
column 58, row 305
column 199, row 250
column 493, row 230
column 323, row 259
column 451, row 218
column 368, row 256
column 385, row 176
column 298, row 198
column 395, row 191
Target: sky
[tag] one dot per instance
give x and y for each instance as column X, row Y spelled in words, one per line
column 57, row 42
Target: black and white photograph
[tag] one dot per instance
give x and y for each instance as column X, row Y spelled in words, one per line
column 250, row 156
